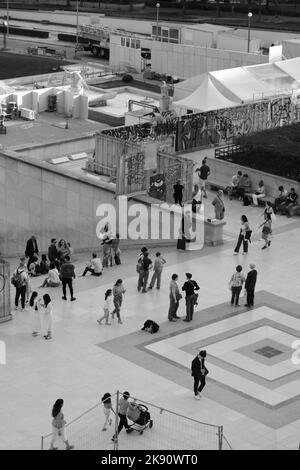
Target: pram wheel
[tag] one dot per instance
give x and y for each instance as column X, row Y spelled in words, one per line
column 151, row 423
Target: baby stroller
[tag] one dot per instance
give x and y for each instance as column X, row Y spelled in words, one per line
column 139, row 414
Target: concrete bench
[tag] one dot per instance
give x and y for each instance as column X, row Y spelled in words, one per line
column 78, row 156
column 58, row 160
column 265, row 199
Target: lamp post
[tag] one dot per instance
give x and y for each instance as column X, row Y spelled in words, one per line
column 157, row 18
column 4, row 34
column 249, row 24
column 77, row 23
column 7, row 17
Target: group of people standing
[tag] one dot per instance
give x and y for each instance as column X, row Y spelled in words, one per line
column 113, row 300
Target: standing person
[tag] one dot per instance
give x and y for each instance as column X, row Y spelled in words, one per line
column 181, row 241
column 107, row 408
column 67, row 274
column 236, row 284
column 244, row 236
column 58, row 425
column 190, row 297
column 122, row 412
column 174, row 297
column 178, row 192
column 53, row 253
column 63, row 251
column 197, row 198
column 199, row 372
column 94, row 266
column 31, row 250
column 219, row 206
column 118, row 291
column 35, row 304
column 146, row 265
column 20, row 281
column 48, row 319
column 250, row 285
column 203, row 173
column 107, row 307
column 115, row 248
column 158, row 268
column 52, row 280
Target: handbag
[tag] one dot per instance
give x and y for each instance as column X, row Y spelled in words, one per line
column 178, row 296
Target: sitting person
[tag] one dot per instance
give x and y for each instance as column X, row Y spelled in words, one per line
column 34, row 267
column 281, row 198
column 259, row 193
column 52, row 280
column 232, row 188
column 244, row 186
column 94, row 266
column 44, row 265
column 289, row 202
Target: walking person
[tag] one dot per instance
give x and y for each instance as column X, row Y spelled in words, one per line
column 244, row 236
column 35, row 304
column 199, row 372
column 122, row 412
column 250, row 285
column 58, row 425
column 146, row 265
column 266, row 232
column 31, row 250
column 190, row 297
column 219, row 206
column 48, row 318
column 178, row 192
column 67, row 274
column 236, row 284
column 20, row 281
column 107, row 408
column 203, row 173
column 174, row 296
column 118, row 292
column 158, row 268
column 107, row 307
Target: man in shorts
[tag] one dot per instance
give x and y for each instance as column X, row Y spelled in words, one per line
column 203, row 173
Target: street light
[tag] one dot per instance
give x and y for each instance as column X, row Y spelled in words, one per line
column 77, row 32
column 249, row 24
column 4, row 34
column 7, row 17
column 157, row 18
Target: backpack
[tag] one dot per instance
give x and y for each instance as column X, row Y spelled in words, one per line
column 151, row 326
column 16, row 279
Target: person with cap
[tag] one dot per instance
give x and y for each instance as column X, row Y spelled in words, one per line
column 250, row 285
column 199, row 372
column 122, row 412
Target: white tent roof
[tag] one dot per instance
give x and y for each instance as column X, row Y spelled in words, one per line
column 224, row 88
column 205, row 98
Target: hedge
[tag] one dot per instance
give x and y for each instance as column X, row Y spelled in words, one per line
column 275, row 151
column 24, row 32
column 72, row 38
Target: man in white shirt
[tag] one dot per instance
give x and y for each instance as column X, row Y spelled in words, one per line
column 94, row 267
column 233, row 186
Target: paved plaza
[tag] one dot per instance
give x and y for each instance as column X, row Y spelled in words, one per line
column 253, row 388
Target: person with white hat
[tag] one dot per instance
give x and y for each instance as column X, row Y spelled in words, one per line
column 250, row 285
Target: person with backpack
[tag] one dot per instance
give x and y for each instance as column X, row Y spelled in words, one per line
column 145, row 266
column 203, row 173
column 20, row 281
column 58, row 425
column 199, row 373
column 190, row 297
column 158, row 267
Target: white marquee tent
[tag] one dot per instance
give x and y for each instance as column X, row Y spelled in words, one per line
column 231, row 87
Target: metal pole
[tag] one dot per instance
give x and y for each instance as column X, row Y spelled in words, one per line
column 77, row 11
column 4, row 39
column 157, row 18
column 42, row 443
column 220, row 436
column 249, row 24
column 7, row 17
column 116, row 441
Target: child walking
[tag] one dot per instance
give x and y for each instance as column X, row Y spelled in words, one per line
column 158, row 267
column 107, row 307
column 107, row 408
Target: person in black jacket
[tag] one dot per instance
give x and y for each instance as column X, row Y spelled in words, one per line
column 250, row 285
column 53, row 253
column 199, row 372
column 31, row 250
column 67, row 273
column 190, row 297
column 178, row 192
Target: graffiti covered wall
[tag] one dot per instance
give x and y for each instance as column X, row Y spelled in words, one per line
column 213, row 127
